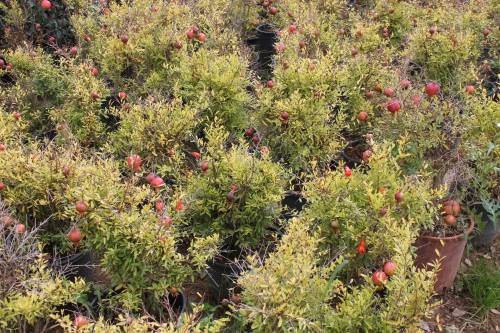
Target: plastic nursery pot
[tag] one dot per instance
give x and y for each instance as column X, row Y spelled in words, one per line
column 263, row 43
column 352, row 153
column 293, row 201
column 177, row 303
column 450, row 251
column 488, row 232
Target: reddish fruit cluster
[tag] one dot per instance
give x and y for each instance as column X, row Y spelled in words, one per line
column 380, row 277
column 451, row 209
column 134, row 162
column 3, row 65
column 195, row 32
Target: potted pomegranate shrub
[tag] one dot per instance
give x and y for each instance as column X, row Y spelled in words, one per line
column 234, row 193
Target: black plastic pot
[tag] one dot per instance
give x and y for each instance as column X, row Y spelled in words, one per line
column 177, row 303
column 489, row 229
column 293, row 201
column 263, row 44
column 221, row 278
column 352, row 153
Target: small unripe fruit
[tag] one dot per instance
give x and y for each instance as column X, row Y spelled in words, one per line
column 230, row 196
column 270, row 83
column 66, row 170
column 335, row 226
column 2, row 186
column 378, row 88
column 292, row 28
column 178, row 45
column 486, row 32
column 359, row 34
column 17, row 116
column 416, row 100
column 362, row 116
column 389, row 268
column 450, row 219
column 354, row 52
column 149, row 178
column 20, row 228
column 273, row 10
column 2, row 147
column 75, row 235
column 94, row 95
column 81, row 207
column 280, row 47
column 302, row 43
column 432, row 89
column 256, row 139
column 394, row 106
column 166, row 221
column 94, row 71
column 73, row 51
column 382, row 212
column 433, row 30
column 7, row 221
column 369, row 94
column 196, row 155
column 398, row 197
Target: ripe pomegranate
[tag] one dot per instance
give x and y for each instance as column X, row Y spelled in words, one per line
column 20, row 228
column 389, row 92
column 179, row 205
column 134, row 162
column 80, row 321
column 256, row 138
column 122, row 95
column 347, row 171
column 362, row 116
column 75, row 235
column 292, row 28
column 190, row 34
column 394, row 106
column 124, row 38
column 196, row 155
column 432, row 89
column 73, row 51
column 284, row 116
column 17, row 116
column 202, row 37
column 94, row 71
column 470, row 89
column 249, row 132
column 270, row 83
column 149, row 178
column 379, row 278
column 390, row 268
column 302, row 43
column 273, row 10
column 405, row 84
column 2, row 147
column 204, row 166
column 159, row 205
column 367, row 154
column 157, row 182
column 486, row 32
column 398, row 197
column 2, row 186
column 46, row 5
column 369, row 94
column 450, row 219
column 81, row 207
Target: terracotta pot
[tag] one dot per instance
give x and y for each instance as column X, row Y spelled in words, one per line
column 450, row 251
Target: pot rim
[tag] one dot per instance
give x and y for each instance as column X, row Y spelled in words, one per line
column 262, row 29
column 451, row 238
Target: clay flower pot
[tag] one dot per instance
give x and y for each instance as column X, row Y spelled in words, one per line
column 450, row 251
